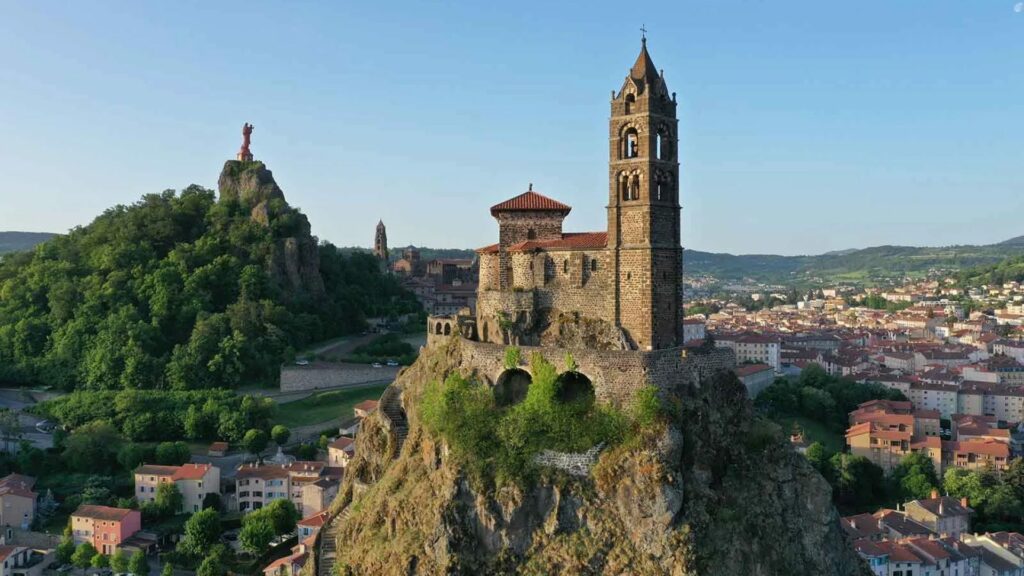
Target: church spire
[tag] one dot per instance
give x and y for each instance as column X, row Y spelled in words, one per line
column 644, row 67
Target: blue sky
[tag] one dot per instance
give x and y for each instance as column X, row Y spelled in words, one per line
column 805, row 126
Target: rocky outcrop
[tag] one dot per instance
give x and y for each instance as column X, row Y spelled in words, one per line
column 294, row 260
column 715, row 491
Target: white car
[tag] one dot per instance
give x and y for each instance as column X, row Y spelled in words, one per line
column 302, row 362
column 392, row 363
column 377, row 365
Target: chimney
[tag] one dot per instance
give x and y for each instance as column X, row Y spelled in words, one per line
column 935, row 493
column 963, row 502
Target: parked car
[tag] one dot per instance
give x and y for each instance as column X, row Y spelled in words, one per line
column 302, row 362
column 377, row 365
column 392, row 363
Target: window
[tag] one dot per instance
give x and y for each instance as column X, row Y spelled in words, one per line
column 630, row 100
column 631, row 144
column 593, row 265
column 531, row 234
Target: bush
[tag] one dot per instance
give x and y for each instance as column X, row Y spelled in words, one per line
column 502, row 442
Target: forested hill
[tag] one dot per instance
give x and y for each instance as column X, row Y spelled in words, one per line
column 18, row 241
column 863, row 264
column 183, row 290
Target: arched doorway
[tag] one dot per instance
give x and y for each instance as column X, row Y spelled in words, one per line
column 574, row 387
column 511, row 387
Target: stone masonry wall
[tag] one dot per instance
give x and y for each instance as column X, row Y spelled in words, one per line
column 322, row 375
column 615, row 374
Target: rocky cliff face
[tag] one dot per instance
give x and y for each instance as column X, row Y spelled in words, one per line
column 294, row 262
column 716, row 491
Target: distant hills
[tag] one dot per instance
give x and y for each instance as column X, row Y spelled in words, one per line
column 858, row 265
column 853, row 265
column 18, row 241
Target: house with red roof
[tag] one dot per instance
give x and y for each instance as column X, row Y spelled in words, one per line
column 194, row 482
column 105, row 527
column 17, row 500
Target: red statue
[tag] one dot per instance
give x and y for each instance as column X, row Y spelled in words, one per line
column 243, row 153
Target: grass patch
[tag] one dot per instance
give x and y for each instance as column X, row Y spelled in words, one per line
column 814, row 431
column 325, row 406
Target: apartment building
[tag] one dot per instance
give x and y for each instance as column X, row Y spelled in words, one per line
column 105, row 527
column 194, row 482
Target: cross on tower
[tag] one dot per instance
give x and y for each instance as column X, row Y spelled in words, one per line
column 643, row 32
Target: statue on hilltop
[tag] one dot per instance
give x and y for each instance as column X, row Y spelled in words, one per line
column 243, row 153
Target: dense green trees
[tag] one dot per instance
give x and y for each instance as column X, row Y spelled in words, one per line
column 173, row 292
column 818, row 396
column 148, row 415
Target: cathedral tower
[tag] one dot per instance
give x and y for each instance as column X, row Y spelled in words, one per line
column 643, row 208
column 380, row 243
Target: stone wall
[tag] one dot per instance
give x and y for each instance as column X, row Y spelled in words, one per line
column 615, row 374
column 323, row 375
column 573, row 463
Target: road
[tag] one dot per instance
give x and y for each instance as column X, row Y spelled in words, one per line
column 18, row 399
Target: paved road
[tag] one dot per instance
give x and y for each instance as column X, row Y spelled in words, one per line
column 18, row 399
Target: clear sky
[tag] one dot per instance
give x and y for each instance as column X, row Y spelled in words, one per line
column 805, row 126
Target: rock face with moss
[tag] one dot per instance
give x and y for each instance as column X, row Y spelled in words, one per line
column 706, row 488
column 294, row 262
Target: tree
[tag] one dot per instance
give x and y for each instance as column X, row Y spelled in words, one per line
column 280, row 434
column 82, row 558
column 167, row 570
column 915, row 476
column 119, row 561
column 257, row 533
column 254, row 441
column 65, row 550
column 283, row 515
column 202, row 531
column 100, row 561
column 138, row 565
column 818, row 456
column 859, row 483
column 168, row 499
column 93, row 447
column 211, row 501
column 172, row 453
column 97, row 490
column 813, row 375
column 213, row 564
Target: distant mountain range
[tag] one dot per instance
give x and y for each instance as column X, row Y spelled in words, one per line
column 17, row 241
column 854, row 265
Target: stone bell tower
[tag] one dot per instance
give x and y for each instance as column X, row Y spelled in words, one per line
column 643, row 208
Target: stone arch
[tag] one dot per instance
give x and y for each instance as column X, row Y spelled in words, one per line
column 575, row 387
column 437, row 329
column 447, row 328
column 511, row 387
column 630, row 143
column 630, row 100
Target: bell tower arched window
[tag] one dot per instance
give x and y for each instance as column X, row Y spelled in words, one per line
column 630, row 144
column 630, row 100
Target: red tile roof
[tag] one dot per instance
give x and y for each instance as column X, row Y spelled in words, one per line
column 317, row 520
column 530, row 200
column 568, row 241
column 102, row 512
column 191, row 471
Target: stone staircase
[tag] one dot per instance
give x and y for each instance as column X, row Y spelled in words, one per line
column 391, row 407
column 328, row 552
